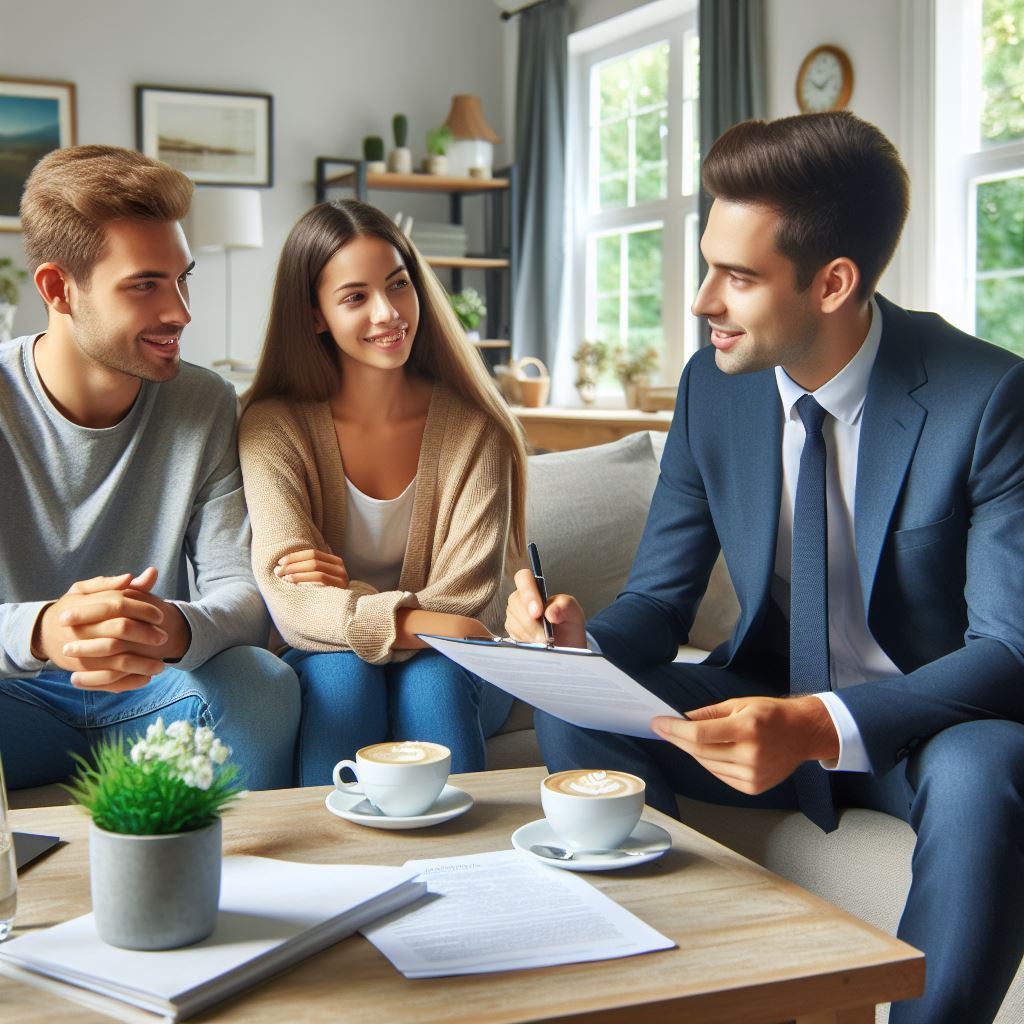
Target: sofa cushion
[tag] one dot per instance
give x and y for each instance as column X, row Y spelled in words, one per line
column 585, row 510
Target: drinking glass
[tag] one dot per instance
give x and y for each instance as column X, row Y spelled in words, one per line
column 8, row 872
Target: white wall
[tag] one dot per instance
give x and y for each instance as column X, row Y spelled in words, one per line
column 337, row 69
column 873, row 35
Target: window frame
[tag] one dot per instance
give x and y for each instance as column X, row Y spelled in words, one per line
column 961, row 162
column 676, row 213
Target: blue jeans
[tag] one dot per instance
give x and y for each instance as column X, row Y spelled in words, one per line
column 962, row 791
column 348, row 703
column 247, row 695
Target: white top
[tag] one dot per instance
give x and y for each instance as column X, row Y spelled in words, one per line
column 376, row 536
column 855, row 657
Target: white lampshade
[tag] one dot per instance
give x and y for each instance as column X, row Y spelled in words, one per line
column 225, row 218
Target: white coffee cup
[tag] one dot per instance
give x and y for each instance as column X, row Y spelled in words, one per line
column 591, row 809
column 401, row 778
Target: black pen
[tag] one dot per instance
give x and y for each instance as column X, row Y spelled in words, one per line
column 538, row 576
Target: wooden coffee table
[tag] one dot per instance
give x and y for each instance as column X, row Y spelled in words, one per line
column 752, row 947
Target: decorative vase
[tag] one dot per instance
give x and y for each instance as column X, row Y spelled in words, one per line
column 473, row 334
column 6, row 320
column 436, row 164
column 630, row 389
column 587, row 390
column 155, row 892
column 400, row 160
column 376, row 167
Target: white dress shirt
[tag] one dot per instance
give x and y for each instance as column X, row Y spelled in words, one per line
column 854, row 655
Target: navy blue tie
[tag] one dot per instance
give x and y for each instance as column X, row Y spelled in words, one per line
column 808, row 610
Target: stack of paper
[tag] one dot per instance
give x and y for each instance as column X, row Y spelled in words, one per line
column 505, row 911
column 272, row 914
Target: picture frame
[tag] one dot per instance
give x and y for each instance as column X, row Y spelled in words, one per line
column 215, row 137
column 36, row 117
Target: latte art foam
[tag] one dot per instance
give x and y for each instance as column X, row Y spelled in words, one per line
column 406, row 752
column 594, row 783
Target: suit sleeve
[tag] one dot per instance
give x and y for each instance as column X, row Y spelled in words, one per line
column 983, row 679
column 652, row 616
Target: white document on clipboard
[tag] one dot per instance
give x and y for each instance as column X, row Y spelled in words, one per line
column 576, row 685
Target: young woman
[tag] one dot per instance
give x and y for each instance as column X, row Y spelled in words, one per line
column 385, row 480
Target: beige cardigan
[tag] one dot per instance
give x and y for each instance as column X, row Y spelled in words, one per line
column 295, row 489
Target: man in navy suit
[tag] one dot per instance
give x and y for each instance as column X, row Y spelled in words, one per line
column 861, row 468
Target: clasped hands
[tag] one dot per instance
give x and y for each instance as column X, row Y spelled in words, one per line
column 111, row 632
column 749, row 743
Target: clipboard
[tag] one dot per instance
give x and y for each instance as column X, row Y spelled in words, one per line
column 576, row 685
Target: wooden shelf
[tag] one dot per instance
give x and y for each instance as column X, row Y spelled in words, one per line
column 466, row 262
column 422, row 182
column 553, row 429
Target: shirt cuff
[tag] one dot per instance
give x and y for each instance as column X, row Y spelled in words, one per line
column 20, row 623
column 853, row 757
column 592, row 645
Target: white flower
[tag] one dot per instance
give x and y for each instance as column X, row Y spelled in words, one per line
column 189, row 753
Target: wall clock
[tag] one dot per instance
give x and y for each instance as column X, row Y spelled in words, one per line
column 824, row 81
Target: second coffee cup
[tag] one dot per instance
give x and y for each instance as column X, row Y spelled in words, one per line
column 401, row 778
column 592, row 809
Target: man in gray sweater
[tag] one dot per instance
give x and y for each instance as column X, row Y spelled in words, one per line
column 119, row 467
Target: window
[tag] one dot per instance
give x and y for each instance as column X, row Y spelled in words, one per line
column 980, row 168
column 633, row 111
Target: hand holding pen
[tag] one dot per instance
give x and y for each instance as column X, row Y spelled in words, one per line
column 529, row 606
column 542, row 589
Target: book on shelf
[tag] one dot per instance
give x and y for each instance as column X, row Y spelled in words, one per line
column 273, row 914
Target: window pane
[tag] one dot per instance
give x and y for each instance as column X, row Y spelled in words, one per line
column 631, row 106
column 1001, row 225
column 650, row 76
column 998, row 303
column 614, row 148
column 608, row 264
column 614, row 87
column 1002, row 71
column 644, row 249
column 612, row 192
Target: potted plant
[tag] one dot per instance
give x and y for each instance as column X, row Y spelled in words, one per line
column 400, row 158
column 155, row 835
column 470, row 308
column 11, row 279
column 633, row 367
column 437, row 146
column 373, row 154
column 591, row 359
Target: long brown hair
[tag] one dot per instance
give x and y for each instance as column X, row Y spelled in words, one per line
column 302, row 365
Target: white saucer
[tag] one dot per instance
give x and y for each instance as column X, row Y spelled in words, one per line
column 652, row 839
column 355, row 807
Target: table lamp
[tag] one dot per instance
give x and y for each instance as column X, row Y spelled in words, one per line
column 472, row 144
column 226, row 219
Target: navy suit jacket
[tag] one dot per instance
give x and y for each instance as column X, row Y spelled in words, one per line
column 939, row 529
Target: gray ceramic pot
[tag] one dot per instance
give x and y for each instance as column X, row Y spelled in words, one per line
column 155, row 892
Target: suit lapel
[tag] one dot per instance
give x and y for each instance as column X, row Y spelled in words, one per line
column 757, row 439
column 889, row 434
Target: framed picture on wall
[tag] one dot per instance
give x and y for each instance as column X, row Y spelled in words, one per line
column 216, row 138
column 35, row 117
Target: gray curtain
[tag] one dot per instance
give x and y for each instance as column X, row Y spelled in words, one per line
column 733, row 80
column 540, row 141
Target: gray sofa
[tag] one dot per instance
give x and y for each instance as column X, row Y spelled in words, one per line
column 586, row 511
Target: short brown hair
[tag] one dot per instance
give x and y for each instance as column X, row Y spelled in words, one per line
column 73, row 193
column 836, row 181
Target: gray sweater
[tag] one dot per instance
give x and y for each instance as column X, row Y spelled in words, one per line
column 160, row 488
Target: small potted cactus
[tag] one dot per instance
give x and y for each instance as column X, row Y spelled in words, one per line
column 373, row 154
column 400, row 158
